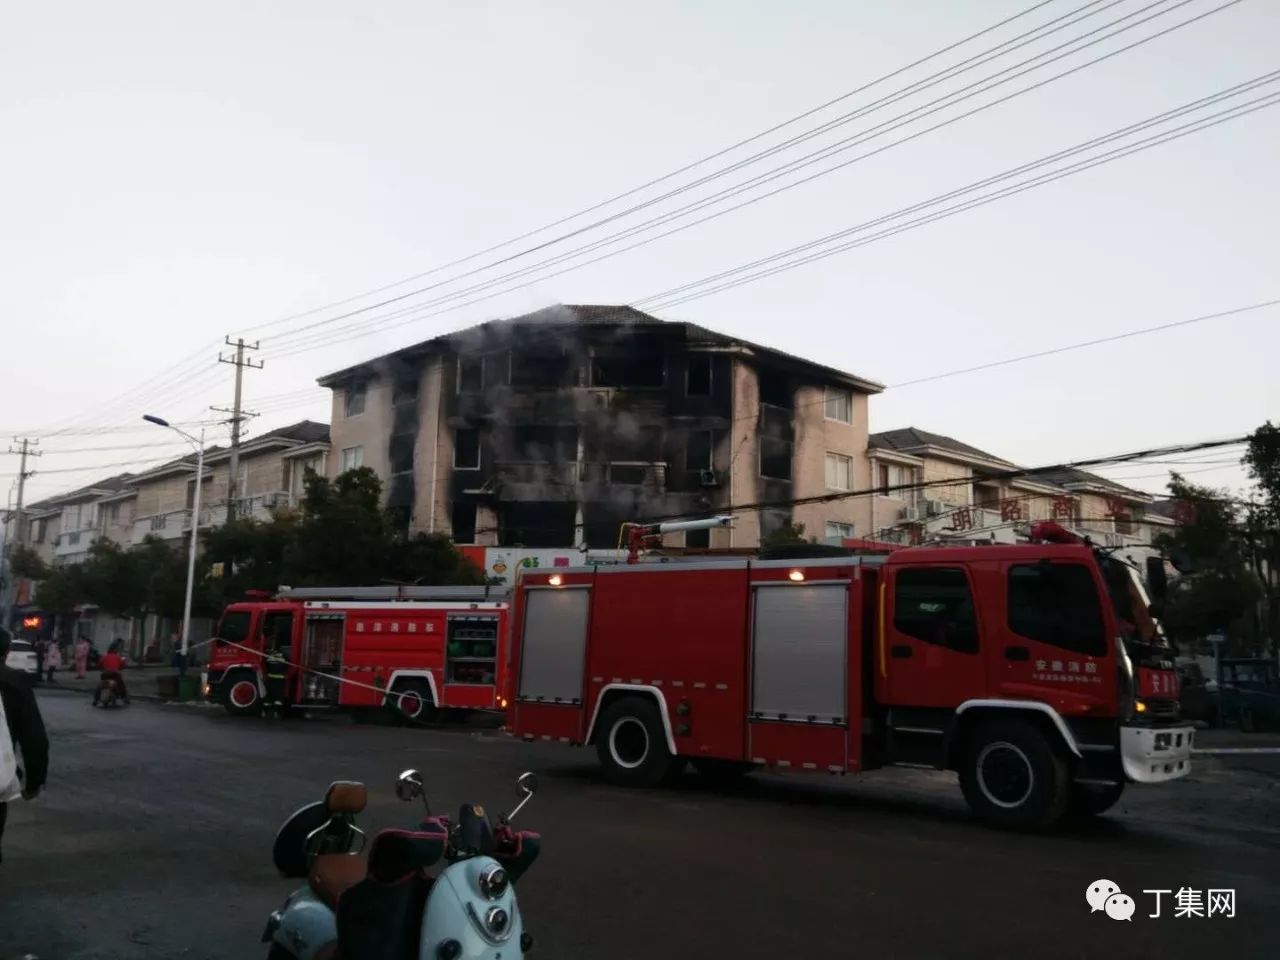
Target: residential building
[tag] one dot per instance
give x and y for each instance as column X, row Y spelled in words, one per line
column 969, row 496
column 554, row 428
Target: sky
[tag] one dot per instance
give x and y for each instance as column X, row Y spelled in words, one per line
column 176, row 173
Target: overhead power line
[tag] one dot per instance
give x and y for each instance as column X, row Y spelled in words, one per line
column 632, row 191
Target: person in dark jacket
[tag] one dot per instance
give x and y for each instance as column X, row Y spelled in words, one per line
column 22, row 714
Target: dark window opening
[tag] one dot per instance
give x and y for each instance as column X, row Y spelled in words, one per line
column 627, row 473
column 544, row 444
column 470, row 374
column 400, row 452
column 405, row 389
column 466, row 448
column 354, row 400
column 776, row 390
column 463, row 517
column 775, row 458
column 934, row 604
column 698, row 379
column 544, row 369
column 1057, row 603
column 698, row 539
column 698, row 450
column 640, row 366
column 538, row 524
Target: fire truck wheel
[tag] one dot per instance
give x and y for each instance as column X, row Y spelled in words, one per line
column 1089, row 800
column 240, row 694
column 410, row 701
column 1012, row 776
column 632, row 744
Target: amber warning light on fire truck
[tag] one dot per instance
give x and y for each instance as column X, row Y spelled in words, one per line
column 1036, row 671
column 423, row 653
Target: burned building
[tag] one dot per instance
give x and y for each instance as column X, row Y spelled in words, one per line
column 554, row 428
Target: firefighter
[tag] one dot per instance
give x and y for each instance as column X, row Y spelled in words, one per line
column 276, row 675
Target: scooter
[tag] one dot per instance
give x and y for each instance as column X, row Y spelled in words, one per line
column 110, row 693
column 387, row 906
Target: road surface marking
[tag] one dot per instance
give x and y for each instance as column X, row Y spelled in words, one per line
column 1222, row 751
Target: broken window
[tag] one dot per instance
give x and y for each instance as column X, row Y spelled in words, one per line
column 540, row 369
column 697, row 381
column 776, row 390
column 464, row 522
column 405, row 389
column 538, row 524
column 699, row 539
column 642, row 365
column 537, row 444
column 775, row 458
column 697, row 451
column 470, row 374
column 354, row 399
column 627, row 473
column 466, row 448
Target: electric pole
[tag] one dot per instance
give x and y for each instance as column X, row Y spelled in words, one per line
column 239, row 360
column 25, row 450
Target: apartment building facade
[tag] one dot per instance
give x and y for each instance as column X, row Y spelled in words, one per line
column 968, row 496
column 554, row 428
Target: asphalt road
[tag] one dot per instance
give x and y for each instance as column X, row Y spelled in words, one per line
column 153, row 840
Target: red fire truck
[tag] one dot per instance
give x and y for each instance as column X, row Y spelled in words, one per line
column 1037, row 671
column 420, row 650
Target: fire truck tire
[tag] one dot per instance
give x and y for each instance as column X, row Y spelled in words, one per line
column 1013, row 776
column 1089, row 800
column 410, row 702
column 240, row 693
column 631, row 743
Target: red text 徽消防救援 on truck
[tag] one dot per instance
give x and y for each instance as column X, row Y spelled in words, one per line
column 1036, row 671
column 418, row 650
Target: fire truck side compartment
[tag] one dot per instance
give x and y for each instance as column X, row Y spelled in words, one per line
column 553, row 644
column 799, row 647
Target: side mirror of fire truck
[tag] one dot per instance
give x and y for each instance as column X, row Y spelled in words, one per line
column 1157, row 579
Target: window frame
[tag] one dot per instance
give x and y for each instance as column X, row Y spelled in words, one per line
column 711, row 374
column 357, row 388
column 791, row 457
column 848, row 469
column 357, row 452
column 479, row 449
column 1097, row 591
column 458, row 375
column 973, row 649
column 826, row 403
column 838, row 524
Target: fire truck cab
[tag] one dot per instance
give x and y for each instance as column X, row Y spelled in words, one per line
column 1036, row 671
column 419, row 650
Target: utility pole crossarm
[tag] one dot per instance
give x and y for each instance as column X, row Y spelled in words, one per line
column 239, row 361
column 25, row 450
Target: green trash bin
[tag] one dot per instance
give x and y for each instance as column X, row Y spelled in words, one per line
column 188, row 687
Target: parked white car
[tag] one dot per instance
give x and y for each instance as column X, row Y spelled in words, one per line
column 22, row 656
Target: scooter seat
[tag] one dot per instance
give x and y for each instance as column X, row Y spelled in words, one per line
column 333, row 874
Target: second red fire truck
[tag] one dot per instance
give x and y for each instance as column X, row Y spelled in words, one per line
column 419, row 650
column 1036, row 671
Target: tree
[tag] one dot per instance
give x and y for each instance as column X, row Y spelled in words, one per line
column 1262, row 525
column 25, row 562
column 1221, row 592
column 253, row 555
column 785, row 535
column 111, row 577
column 343, row 536
column 432, row 559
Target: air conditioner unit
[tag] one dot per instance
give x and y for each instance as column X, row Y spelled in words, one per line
column 709, row 478
column 912, row 513
column 935, row 508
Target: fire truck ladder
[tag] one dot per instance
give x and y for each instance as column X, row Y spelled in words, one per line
column 393, row 593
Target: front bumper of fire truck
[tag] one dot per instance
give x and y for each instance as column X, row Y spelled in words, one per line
column 1156, row 754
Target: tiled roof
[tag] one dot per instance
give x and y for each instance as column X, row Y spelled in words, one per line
column 1069, row 476
column 913, row 438
column 601, row 315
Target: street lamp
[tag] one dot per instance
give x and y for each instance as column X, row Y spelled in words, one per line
column 195, row 526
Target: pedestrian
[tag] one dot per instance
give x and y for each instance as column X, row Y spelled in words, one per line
column 82, row 657
column 52, row 661
column 24, row 746
column 41, row 647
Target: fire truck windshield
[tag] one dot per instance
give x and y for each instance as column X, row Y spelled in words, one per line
column 1131, row 604
column 234, row 626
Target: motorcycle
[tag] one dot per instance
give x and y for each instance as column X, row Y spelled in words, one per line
column 387, row 906
column 110, row 693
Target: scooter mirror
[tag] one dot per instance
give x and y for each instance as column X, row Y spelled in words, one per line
column 409, row 785
column 528, row 782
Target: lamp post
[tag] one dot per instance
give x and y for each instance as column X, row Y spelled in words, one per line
column 195, row 526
